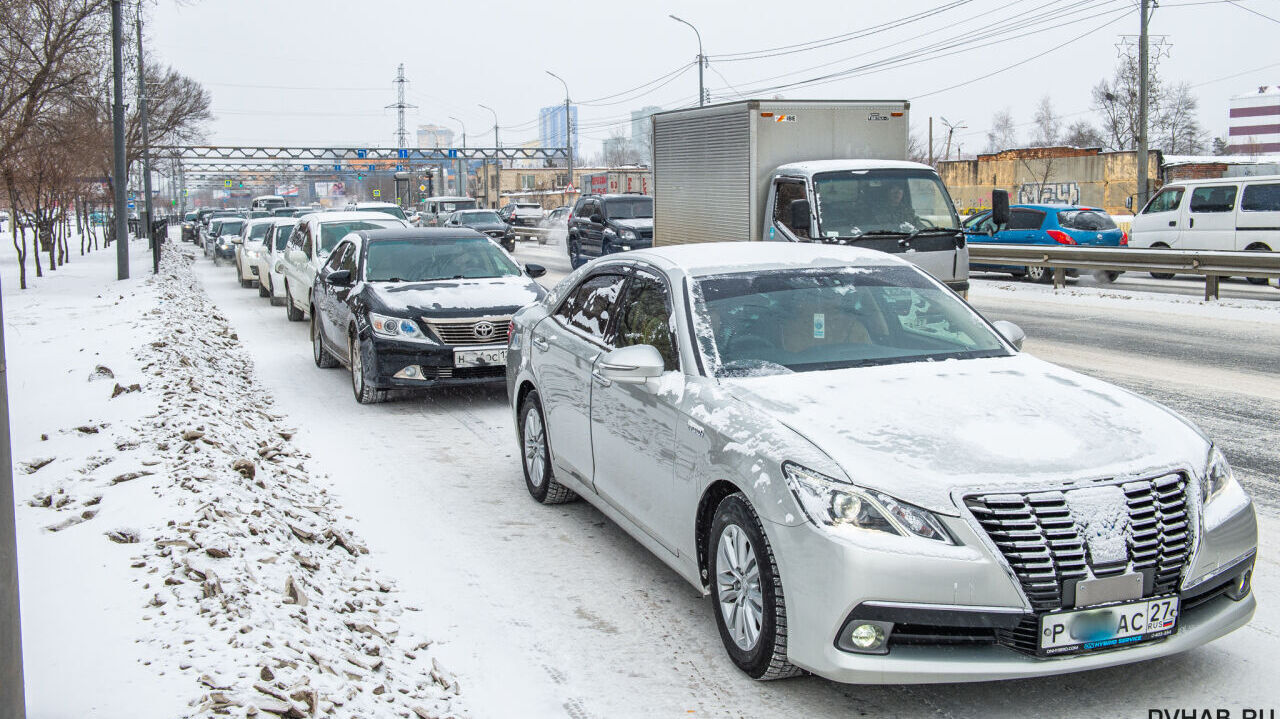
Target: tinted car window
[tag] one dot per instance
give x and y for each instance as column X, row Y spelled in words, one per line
column 590, row 307
column 335, row 260
column 644, row 318
column 348, row 261
column 1166, row 201
column 283, row 232
column 427, row 260
column 1088, row 220
column 1022, row 219
column 1213, row 199
column 331, row 233
column 625, row 209
column 258, row 232
column 1261, row 198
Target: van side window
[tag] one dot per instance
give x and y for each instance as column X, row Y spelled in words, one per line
column 1213, row 199
column 1167, row 201
column 1261, row 198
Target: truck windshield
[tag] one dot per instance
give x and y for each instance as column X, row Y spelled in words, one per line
column 852, row 203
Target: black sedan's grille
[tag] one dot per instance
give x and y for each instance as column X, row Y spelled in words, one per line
column 1044, row 545
column 485, row 331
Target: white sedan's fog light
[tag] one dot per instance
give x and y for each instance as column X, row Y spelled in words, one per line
column 865, row 637
column 410, row 372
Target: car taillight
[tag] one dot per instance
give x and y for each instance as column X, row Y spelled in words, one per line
column 1124, row 239
column 1061, row 237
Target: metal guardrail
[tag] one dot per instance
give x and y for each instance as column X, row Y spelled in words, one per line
column 1212, row 265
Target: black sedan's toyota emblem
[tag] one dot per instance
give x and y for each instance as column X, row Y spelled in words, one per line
column 483, row 330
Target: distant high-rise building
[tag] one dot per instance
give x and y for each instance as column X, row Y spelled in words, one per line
column 430, row 136
column 1254, row 126
column 551, row 127
column 640, row 123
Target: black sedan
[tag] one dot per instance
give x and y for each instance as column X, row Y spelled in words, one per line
column 486, row 222
column 417, row 307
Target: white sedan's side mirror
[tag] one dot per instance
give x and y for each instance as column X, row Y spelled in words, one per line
column 1010, row 332
column 632, row 365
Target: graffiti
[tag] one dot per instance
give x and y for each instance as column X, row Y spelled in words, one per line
column 1067, row 193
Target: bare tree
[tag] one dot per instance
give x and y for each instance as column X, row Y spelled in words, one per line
column 1048, row 126
column 1003, row 134
column 1083, row 133
column 1178, row 124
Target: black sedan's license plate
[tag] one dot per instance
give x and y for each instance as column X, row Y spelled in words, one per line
column 480, row 358
column 1110, row 627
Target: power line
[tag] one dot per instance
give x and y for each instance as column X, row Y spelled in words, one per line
column 1255, row 12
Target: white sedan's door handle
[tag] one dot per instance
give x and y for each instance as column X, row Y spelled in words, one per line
column 540, row 343
column 600, row 379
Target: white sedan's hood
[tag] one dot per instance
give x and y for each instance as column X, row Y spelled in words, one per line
column 921, row 430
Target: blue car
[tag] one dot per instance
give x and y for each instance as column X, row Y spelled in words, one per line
column 1045, row 225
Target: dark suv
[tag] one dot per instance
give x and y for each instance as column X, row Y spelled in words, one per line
column 604, row 224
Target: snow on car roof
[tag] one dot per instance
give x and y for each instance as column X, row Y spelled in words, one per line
column 345, row 215
column 710, row 258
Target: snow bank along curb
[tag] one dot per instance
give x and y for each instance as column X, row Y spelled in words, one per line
column 257, row 591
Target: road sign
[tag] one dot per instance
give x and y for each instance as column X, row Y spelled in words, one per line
column 399, row 168
column 403, row 154
column 377, row 193
column 306, row 168
column 360, row 153
column 372, row 168
column 453, row 153
column 226, row 183
column 130, row 205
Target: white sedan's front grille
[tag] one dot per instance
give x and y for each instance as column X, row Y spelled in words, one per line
column 470, row 330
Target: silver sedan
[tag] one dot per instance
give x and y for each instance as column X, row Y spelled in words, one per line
column 870, row 480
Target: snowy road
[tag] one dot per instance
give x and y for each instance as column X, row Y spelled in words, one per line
column 554, row 611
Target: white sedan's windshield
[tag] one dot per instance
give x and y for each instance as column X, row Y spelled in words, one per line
column 804, row 320
column 331, row 233
column 855, row 203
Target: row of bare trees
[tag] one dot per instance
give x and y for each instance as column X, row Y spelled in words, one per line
column 55, row 122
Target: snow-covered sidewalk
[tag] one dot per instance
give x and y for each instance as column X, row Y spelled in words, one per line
column 178, row 556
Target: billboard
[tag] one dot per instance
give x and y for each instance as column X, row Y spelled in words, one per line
column 331, row 189
column 287, row 190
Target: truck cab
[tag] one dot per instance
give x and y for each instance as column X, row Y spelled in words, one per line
column 886, row 205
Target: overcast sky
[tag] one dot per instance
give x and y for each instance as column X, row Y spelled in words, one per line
column 320, row 72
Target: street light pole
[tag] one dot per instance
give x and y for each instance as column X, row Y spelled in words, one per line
column 119, row 170
column 497, row 170
column 702, row 59
column 568, row 127
column 1143, row 80
column 149, row 217
column 462, row 180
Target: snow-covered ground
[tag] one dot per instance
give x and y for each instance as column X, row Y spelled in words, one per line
column 537, row 611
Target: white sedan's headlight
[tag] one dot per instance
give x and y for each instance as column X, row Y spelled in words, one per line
column 1223, row 495
column 397, row 327
column 834, row 505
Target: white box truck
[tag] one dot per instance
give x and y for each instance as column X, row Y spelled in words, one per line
column 803, row 170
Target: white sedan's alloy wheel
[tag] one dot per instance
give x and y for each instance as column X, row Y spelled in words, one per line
column 738, row 587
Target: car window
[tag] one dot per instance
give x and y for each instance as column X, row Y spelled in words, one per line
column 1088, row 220
column 1218, row 198
column 436, row 259
column 349, row 259
column 590, row 307
column 778, row 321
column 258, row 232
column 305, row 241
column 1024, row 219
column 788, row 192
column 1261, row 198
column 1167, row 201
column 629, row 208
column 282, row 235
column 644, row 318
column 331, row 233
column 335, row 260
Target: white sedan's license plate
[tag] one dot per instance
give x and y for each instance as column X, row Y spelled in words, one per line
column 1110, row 627
column 480, row 358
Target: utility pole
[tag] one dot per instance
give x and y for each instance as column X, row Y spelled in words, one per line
column 497, row 168
column 568, row 126
column 121, row 172
column 951, row 130
column 702, row 60
column 145, row 224
column 1143, row 81
column 12, row 700
column 931, row 139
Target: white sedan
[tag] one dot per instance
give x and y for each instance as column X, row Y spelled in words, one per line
column 309, row 245
column 270, row 280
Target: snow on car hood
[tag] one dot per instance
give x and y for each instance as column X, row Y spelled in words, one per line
column 636, row 223
column 921, row 430
column 458, row 298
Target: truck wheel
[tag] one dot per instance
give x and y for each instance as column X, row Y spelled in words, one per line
column 746, row 592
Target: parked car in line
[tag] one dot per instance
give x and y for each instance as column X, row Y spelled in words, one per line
column 842, row 454
column 604, row 224
column 1237, row 213
column 208, row 224
column 1047, row 224
column 219, row 243
column 288, row 211
column 521, row 214
column 310, row 243
column 439, row 207
column 486, row 222
column 557, row 218
column 387, row 208
column 188, row 233
column 249, row 247
column 412, row 308
column 270, row 280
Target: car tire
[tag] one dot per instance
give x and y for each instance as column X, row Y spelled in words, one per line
column 264, row 289
column 291, row 310
column 1039, row 275
column 741, row 565
column 271, row 293
column 535, row 455
column 1161, row 275
column 240, row 274
column 1106, row 276
column 322, row 358
column 575, row 252
column 359, row 382
column 542, row 236
column 1258, row 247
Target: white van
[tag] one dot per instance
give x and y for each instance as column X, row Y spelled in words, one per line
column 1231, row 213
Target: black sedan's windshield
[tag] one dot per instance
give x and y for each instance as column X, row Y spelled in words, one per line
column 424, row 260
column 804, row 320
